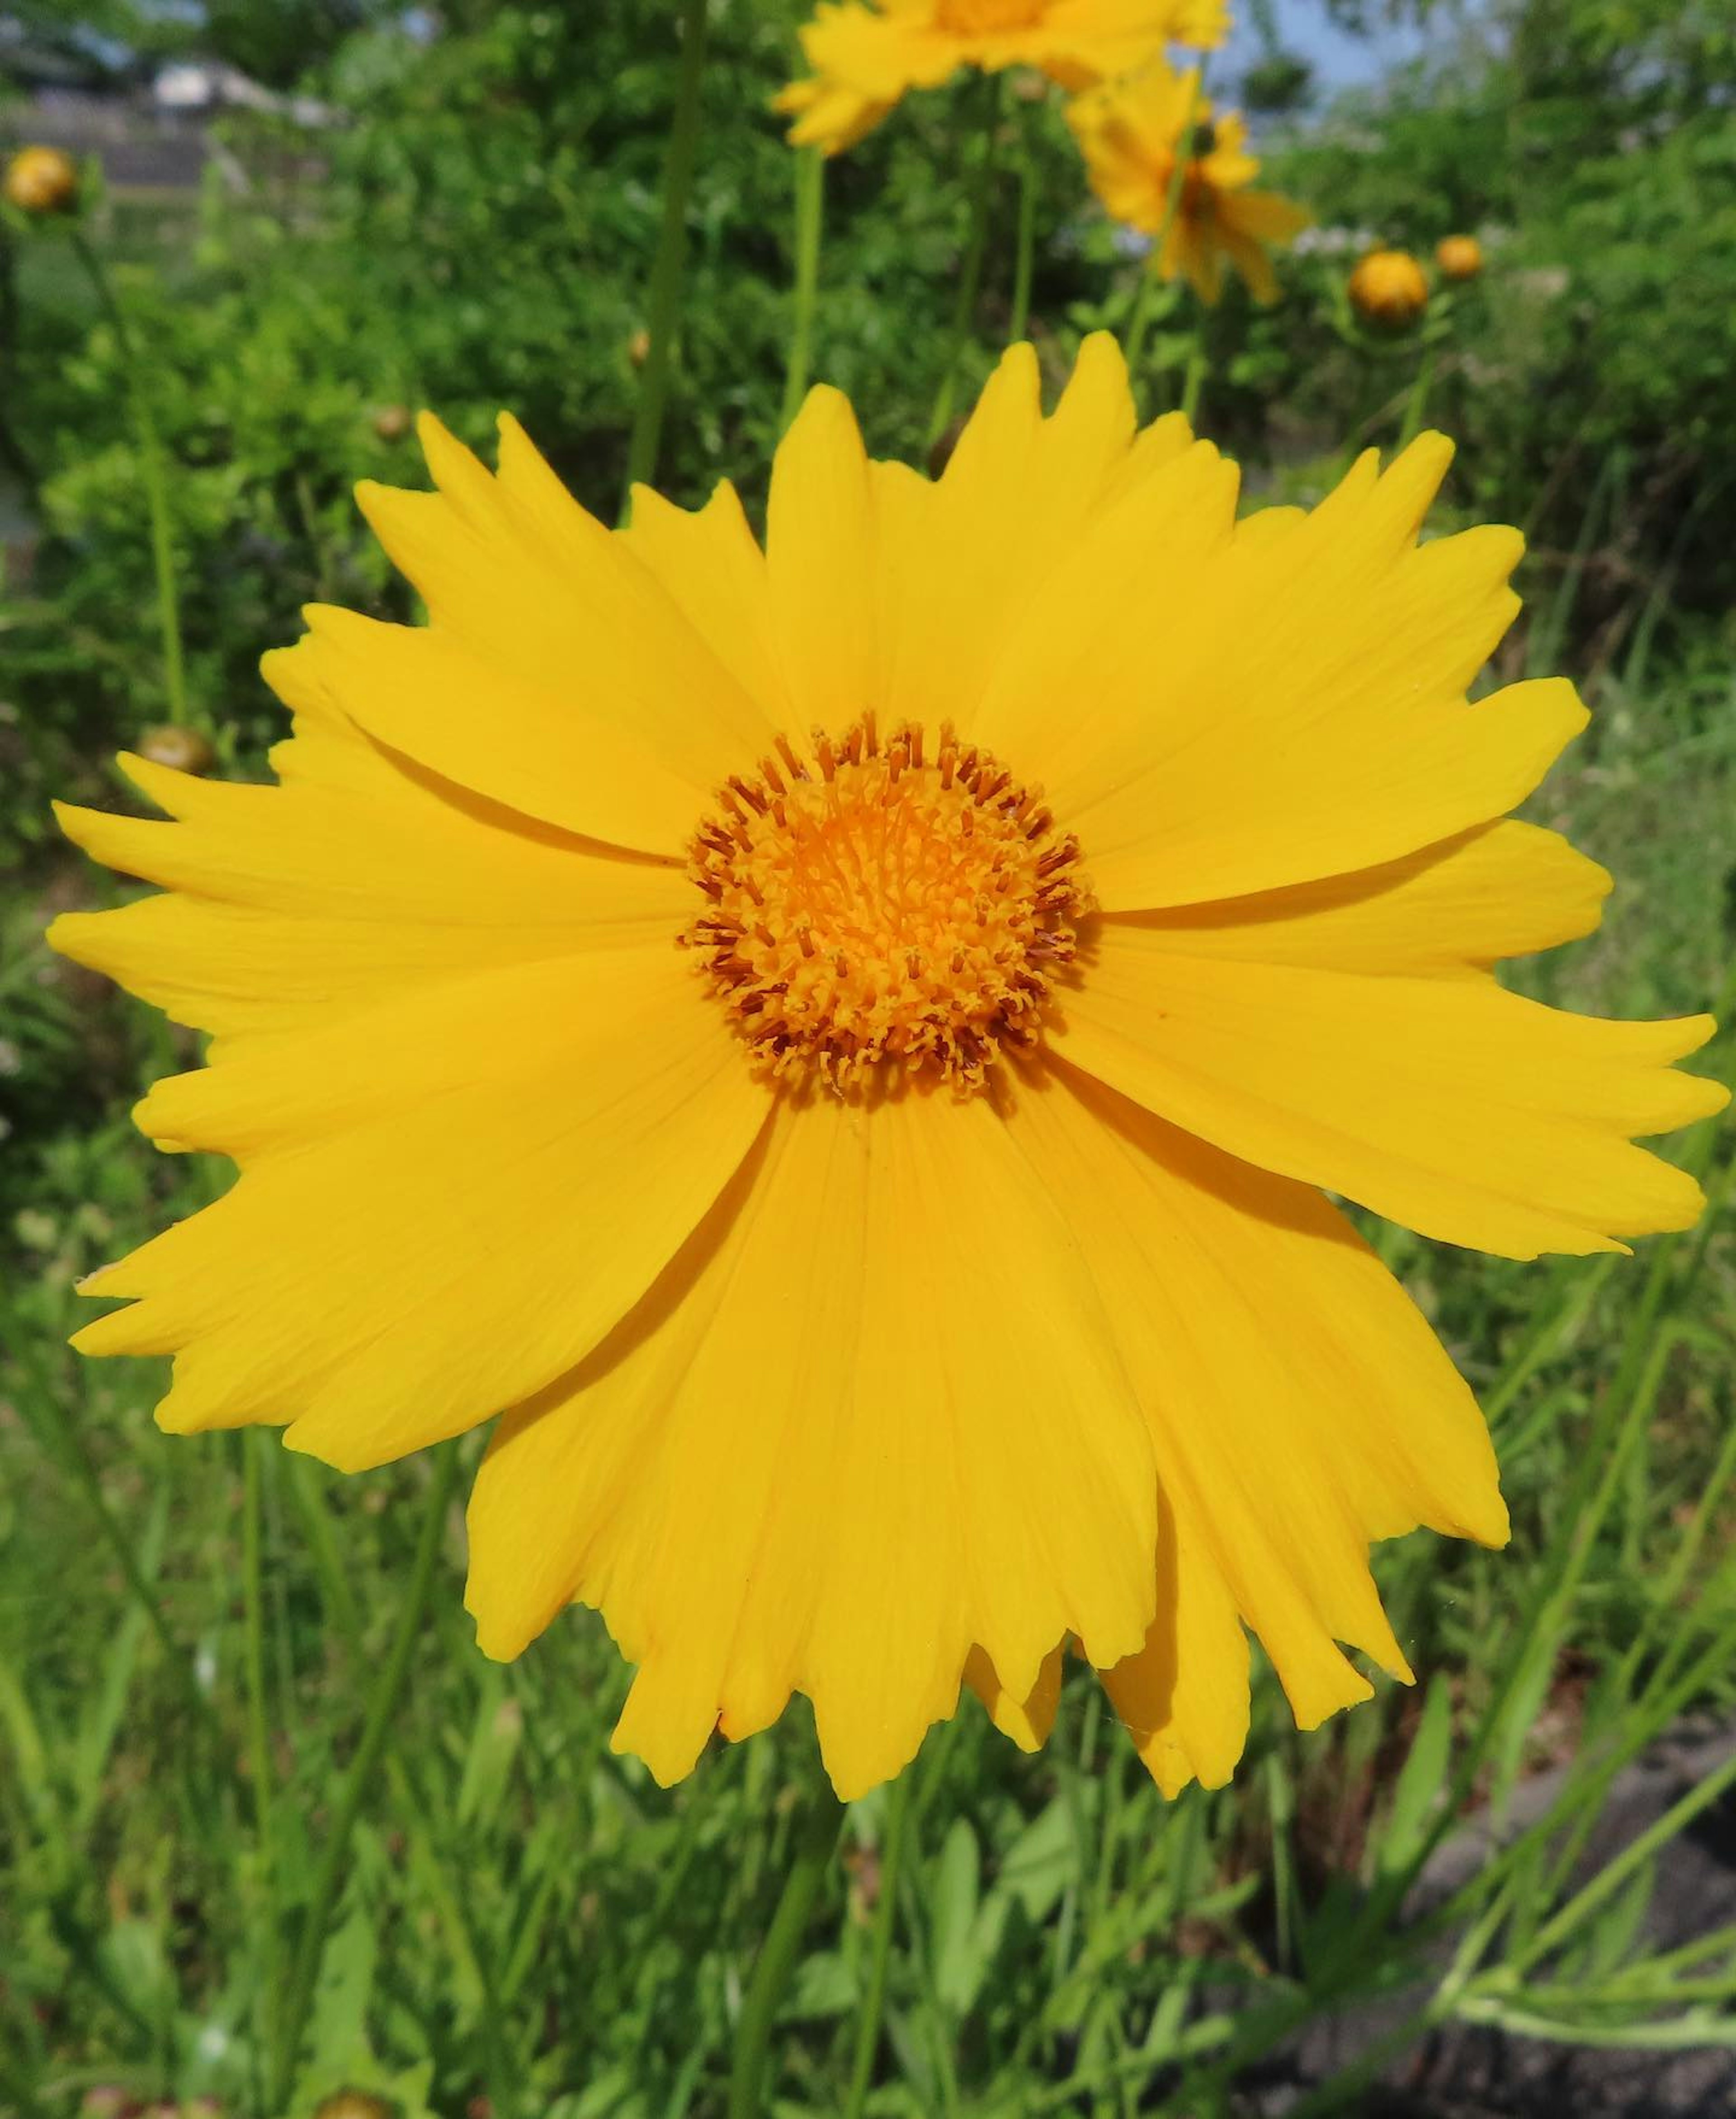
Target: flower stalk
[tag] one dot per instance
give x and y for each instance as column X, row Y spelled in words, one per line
column 885, row 1917
column 1025, row 258
column 810, row 193
column 671, row 253
column 153, row 469
column 329, row 1883
column 816, row 1842
column 970, row 276
column 1151, row 279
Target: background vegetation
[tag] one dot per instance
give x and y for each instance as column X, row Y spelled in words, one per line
column 525, row 1919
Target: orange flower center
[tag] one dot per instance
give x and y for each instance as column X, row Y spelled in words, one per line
column 899, row 902
column 977, row 18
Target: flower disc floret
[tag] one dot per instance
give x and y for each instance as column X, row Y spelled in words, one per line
column 901, row 906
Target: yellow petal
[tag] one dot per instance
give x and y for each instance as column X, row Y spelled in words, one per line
column 1183, row 1697
column 870, row 1420
column 1018, row 493
column 444, row 1203
column 1454, row 1106
column 709, row 563
column 1299, row 1407
column 1283, row 706
column 1499, row 890
column 533, row 745
column 820, row 561
column 1027, row 1720
column 532, row 588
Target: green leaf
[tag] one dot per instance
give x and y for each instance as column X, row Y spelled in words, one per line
column 1421, row 1783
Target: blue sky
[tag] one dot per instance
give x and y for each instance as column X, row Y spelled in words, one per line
column 1339, row 60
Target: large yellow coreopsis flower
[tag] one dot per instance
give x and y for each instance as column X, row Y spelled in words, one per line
column 840, row 1044
column 1130, row 132
column 866, row 54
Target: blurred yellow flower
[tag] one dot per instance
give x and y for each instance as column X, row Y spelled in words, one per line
column 925, row 1264
column 1459, row 257
column 1387, row 288
column 41, row 180
column 1130, row 132
column 866, row 54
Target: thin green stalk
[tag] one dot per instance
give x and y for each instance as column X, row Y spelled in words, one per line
column 816, row 1842
column 810, row 194
column 414, row 1809
column 970, row 276
column 1025, row 260
column 1151, row 279
column 1411, row 424
column 671, row 254
column 1196, row 370
column 258, row 1726
column 328, row 1882
column 885, row 1917
column 154, row 471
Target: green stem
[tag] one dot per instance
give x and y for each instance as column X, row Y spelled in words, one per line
column 970, row 276
column 153, row 469
column 416, row 1811
column 810, row 193
column 1196, row 370
column 1026, row 263
column 665, row 272
column 885, row 1917
column 816, row 1842
column 328, row 1882
column 1151, row 277
column 258, row 1726
column 1418, row 398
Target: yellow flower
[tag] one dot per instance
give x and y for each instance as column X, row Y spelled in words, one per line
column 1130, row 132
column 926, row 1265
column 1388, row 289
column 41, row 180
column 866, row 54
column 1459, row 257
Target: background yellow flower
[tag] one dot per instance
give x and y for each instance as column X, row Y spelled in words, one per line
column 1130, row 132
column 1388, row 288
column 1459, row 257
column 866, row 54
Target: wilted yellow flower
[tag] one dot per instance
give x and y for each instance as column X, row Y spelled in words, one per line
column 925, row 1265
column 866, row 54
column 1387, row 288
column 1130, row 132
column 41, row 180
column 1459, row 257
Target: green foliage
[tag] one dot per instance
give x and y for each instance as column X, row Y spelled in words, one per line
column 521, row 1915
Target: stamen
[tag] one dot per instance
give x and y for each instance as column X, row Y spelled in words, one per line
column 883, row 910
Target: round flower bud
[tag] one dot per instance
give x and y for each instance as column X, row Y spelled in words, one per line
column 1459, row 257
column 391, row 422
column 184, row 749
column 1388, row 289
column 353, row 2104
column 41, row 180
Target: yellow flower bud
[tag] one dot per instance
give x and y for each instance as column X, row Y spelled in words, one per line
column 183, row 749
column 353, row 2104
column 638, row 347
column 1388, row 289
column 1459, row 257
column 41, row 180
